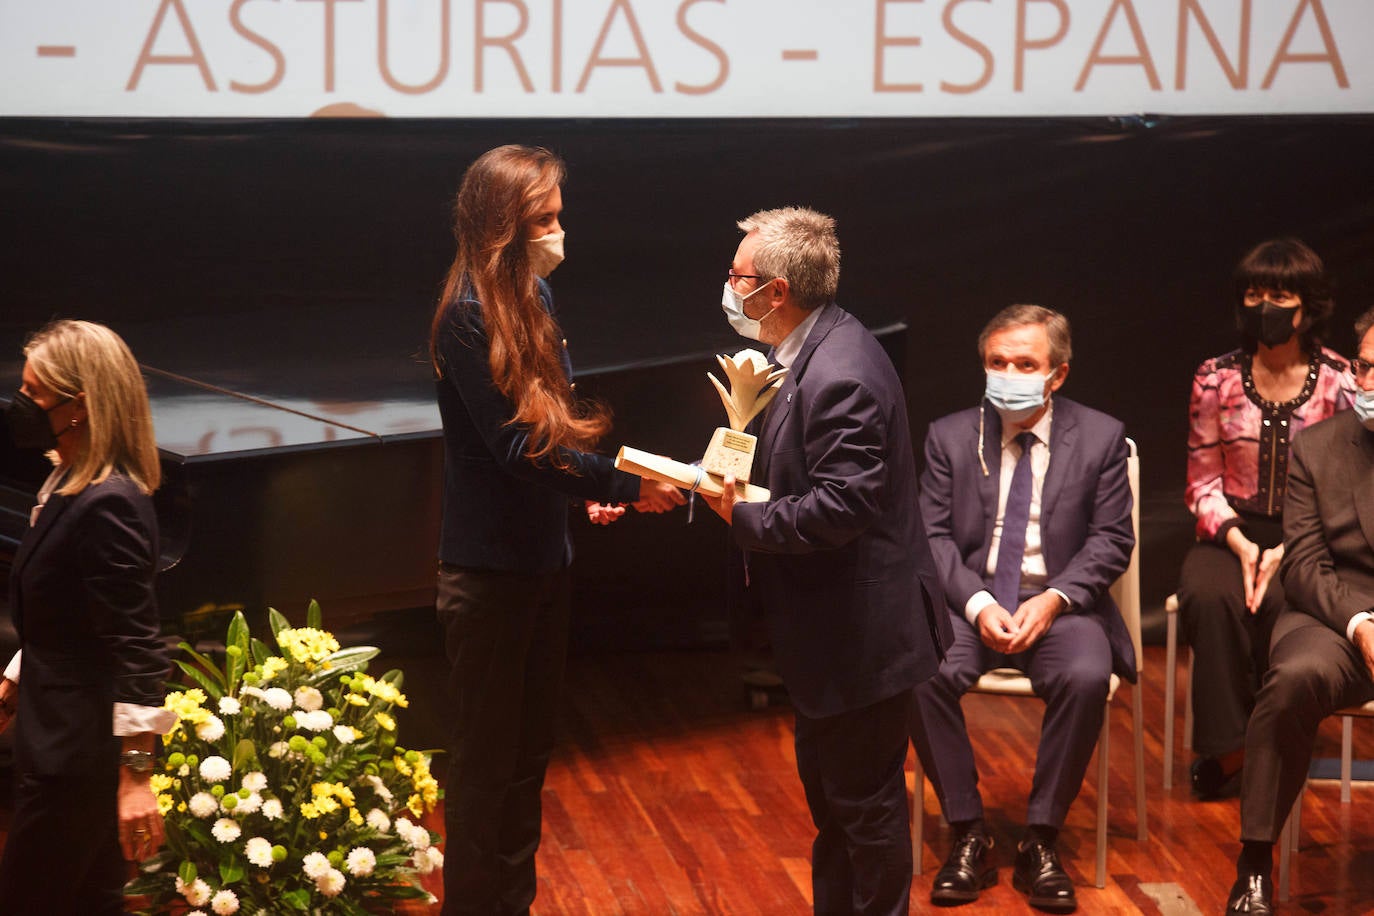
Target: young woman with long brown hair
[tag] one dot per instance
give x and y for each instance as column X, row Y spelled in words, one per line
column 516, row 453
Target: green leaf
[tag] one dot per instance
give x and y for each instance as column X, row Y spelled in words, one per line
column 261, row 651
column 237, row 636
column 213, row 689
column 187, row 872
column 230, row 872
column 394, row 677
column 204, row 661
column 342, row 662
column 313, row 616
column 298, row 899
column 277, row 621
column 244, row 752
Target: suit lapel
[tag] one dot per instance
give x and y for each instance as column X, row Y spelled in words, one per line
column 47, row 518
column 1360, row 482
column 781, row 406
column 1063, row 434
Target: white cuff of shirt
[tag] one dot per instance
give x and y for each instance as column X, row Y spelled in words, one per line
column 981, row 599
column 1355, row 622
column 12, row 669
column 131, row 719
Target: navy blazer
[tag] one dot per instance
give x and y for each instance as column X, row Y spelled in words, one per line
column 838, row 555
column 1085, row 516
column 501, row 510
column 81, row 593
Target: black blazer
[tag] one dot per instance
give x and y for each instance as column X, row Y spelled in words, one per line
column 1085, row 516
column 501, row 510
column 81, row 593
column 839, row 555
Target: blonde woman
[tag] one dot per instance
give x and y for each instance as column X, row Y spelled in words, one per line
column 84, row 691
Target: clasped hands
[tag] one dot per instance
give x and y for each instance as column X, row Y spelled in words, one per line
column 1257, row 568
column 1008, row 633
column 654, row 496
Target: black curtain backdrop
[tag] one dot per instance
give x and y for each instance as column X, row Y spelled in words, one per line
column 1130, row 226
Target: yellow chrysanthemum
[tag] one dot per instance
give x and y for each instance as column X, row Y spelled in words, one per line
column 188, row 705
column 160, row 782
column 309, row 811
column 273, row 666
column 307, row 644
column 165, row 803
column 386, row 721
column 354, row 817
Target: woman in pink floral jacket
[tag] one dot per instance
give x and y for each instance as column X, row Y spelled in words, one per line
column 1246, row 407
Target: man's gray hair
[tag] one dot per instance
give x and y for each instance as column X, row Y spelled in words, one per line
column 1015, row 316
column 1362, row 326
column 799, row 245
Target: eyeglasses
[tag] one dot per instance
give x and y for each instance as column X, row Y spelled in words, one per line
column 1360, row 368
column 731, row 277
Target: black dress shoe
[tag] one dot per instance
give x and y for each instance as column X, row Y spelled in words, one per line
column 966, row 872
column 1252, row 894
column 1210, row 781
column 1040, row 877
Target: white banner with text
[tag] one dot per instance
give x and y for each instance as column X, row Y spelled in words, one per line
column 683, row 58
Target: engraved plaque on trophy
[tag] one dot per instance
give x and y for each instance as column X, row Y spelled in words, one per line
column 753, row 385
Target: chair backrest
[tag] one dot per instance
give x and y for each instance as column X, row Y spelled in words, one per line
column 1126, row 590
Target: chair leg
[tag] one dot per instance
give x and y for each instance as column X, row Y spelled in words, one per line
column 1103, row 746
column 1170, row 677
column 918, row 817
column 1142, row 823
column 1347, row 753
column 1188, row 704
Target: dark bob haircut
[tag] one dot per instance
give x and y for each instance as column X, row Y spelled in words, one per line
column 1289, row 265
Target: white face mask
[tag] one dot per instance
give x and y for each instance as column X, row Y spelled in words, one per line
column 546, row 253
column 1016, row 396
column 732, row 303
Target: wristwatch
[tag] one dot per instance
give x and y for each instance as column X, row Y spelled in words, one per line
column 140, row 762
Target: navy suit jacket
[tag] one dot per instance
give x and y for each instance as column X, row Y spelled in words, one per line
column 1085, row 516
column 503, row 511
column 838, row 556
column 81, row 593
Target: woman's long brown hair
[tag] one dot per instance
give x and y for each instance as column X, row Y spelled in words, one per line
column 500, row 195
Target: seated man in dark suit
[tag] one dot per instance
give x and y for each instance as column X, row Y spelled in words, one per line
column 1028, row 508
column 1321, row 655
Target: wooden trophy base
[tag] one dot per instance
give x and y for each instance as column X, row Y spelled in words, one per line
column 730, row 453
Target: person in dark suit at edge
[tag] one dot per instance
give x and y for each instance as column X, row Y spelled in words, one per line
column 1321, row 655
column 837, row 557
column 1028, row 508
column 85, row 689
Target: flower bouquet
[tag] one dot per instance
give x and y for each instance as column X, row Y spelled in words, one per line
column 282, row 787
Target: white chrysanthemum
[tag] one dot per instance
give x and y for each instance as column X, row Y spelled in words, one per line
column 345, row 734
column 254, row 781
column 415, row 836
column 197, row 893
column 255, row 692
column 378, row 821
column 277, row 698
column 225, row 902
column 331, row 883
column 203, row 805
column 271, row 809
column 259, row 851
column 309, row 699
column 314, row 865
column 184, row 770
column 196, row 913
column 215, row 769
column 229, row 706
column 212, row 729
column 316, row 721
column 249, row 805
column 278, row 750
column 360, row 861
column 379, row 787
column 226, row 830
column 427, row 860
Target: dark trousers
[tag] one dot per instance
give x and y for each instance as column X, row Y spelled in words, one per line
column 506, row 637
column 62, row 855
column 851, row 767
column 1070, row 668
column 1230, row 645
column 1313, row 670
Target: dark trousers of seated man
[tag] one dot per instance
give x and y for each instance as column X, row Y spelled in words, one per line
column 1070, row 668
column 1313, row 671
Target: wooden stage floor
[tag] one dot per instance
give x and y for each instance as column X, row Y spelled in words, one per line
column 669, row 795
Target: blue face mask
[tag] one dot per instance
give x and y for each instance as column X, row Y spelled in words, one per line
column 1364, row 408
column 1015, row 396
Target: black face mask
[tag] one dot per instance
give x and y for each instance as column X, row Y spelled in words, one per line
column 29, row 426
column 1268, row 323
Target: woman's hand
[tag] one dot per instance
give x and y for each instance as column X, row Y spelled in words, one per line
column 140, row 823
column 1248, row 552
column 657, row 496
column 603, row 513
column 1268, row 568
column 9, row 702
